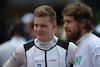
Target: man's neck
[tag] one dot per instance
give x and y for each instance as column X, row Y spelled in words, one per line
column 83, row 37
column 46, row 45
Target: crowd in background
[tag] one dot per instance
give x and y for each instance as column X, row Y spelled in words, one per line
column 20, row 30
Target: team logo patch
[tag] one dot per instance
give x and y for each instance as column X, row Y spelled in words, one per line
column 54, row 40
column 38, row 65
column 37, row 41
column 77, row 62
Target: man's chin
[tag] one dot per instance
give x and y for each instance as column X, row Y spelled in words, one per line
column 68, row 37
column 39, row 37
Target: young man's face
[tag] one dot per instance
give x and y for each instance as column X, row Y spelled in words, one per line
column 43, row 28
column 72, row 28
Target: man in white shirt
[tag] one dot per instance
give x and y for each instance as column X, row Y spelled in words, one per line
column 17, row 39
column 78, row 23
column 46, row 50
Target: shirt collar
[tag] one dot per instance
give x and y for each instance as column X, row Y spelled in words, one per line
column 46, row 45
column 83, row 37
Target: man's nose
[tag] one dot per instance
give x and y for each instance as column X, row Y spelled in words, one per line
column 65, row 25
column 39, row 28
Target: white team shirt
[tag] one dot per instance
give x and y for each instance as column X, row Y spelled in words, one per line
column 8, row 47
column 88, row 51
column 28, row 56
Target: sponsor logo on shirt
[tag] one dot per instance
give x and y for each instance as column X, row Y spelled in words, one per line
column 38, row 65
column 36, row 61
column 76, row 50
column 77, row 61
column 37, row 41
column 54, row 40
column 16, row 53
column 53, row 60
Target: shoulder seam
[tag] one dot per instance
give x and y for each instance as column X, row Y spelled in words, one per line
column 63, row 43
column 28, row 45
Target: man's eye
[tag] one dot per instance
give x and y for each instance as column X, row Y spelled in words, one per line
column 69, row 21
column 43, row 25
column 36, row 25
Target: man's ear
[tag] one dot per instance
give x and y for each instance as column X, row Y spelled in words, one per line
column 54, row 25
column 83, row 22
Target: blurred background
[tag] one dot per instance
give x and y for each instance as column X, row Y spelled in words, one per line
column 14, row 8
